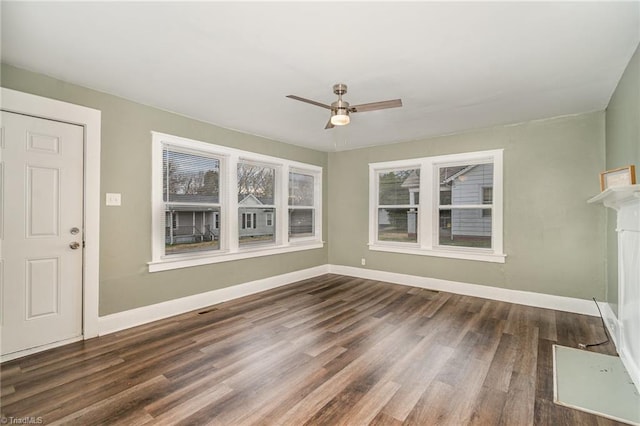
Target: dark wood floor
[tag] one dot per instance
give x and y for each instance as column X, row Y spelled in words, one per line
column 332, row 350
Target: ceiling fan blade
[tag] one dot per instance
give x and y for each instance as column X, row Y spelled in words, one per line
column 394, row 103
column 309, row 101
column 329, row 125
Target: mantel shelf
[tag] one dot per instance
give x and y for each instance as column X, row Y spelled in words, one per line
column 616, row 196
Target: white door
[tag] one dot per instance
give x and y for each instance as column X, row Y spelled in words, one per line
column 41, row 236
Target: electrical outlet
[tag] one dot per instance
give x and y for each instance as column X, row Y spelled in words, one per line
column 363, row 261
column 113, row 199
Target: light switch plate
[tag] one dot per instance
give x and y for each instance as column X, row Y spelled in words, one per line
column 113, row 199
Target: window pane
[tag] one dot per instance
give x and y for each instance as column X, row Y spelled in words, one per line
column 398, row 225
column 301, row 223
column 468, row 184
column 464, row 228
column 190, row 178
column 253, row 227
column 487, row 198
column 255, row 185
column 191, row 229
column 300, row 189
column 399, row 187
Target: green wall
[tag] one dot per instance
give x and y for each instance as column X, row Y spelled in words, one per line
column 553, row 239
column 555, row 242
column 622, row 149
column 125, row 232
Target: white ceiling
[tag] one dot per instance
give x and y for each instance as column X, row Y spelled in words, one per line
column 456, row 66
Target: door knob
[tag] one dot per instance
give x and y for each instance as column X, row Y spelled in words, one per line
column 74, row 245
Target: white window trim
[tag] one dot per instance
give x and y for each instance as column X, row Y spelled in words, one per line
column 317, row 195
column 229, row 245
column 428, row 209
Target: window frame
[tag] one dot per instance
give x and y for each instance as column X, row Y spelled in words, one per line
column 316, row 214
column 229, row 225
column 175, row 216
column 253, row 221
column 429, row 207
column 378, row 206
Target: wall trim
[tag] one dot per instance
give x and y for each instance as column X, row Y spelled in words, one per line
column 539, row 300
column 614, row 327
column 90, row 119
column 146, row 314
column 611, row 321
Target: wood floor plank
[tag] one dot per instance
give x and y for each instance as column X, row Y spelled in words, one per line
column 416, row 377
column 331, row 350
column 121, row 407
column 501, row 369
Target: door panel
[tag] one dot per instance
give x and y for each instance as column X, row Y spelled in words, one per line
column 43, row 208
column 42, row 286
column 41, row 197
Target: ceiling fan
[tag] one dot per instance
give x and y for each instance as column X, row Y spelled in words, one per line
column 340, row 109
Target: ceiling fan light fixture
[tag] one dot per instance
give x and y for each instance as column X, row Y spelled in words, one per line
column 340, row 118
column 341, row 109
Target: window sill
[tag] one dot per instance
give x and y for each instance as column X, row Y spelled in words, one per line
column 452, row 254
column 244, row 253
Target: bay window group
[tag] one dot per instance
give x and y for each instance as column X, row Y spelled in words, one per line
column 223, row 204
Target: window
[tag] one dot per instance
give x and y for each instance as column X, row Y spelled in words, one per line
column 461, row 211
column 190, row 194
column 487, row 199
column 302, row 205
column 214, row 204
column 397, row 208
column 256, row 199
column 173, row 217
column 248, row 221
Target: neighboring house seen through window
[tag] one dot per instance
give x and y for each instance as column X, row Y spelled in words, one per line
column 460, row 213
column 214, row 204
column 256, row 199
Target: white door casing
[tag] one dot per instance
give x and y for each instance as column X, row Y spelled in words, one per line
column 90, row 121
column 41, row 250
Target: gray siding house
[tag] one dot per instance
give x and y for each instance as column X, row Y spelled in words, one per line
column 191, row 224
column 471, row 185
column 461, row 185
column 256, row 221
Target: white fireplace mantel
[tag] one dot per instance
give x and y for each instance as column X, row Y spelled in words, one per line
column 625, row 200
column 617, row 196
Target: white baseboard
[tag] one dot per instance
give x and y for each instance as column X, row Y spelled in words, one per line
column 611, row 322
column 131, row 318
column 122, row 320
column 614, row 327
column 539, row 300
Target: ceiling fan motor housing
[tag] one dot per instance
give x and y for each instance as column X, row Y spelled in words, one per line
column 341, row 107
column 339, row 89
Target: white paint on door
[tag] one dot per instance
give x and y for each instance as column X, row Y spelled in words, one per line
column 41, row 196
